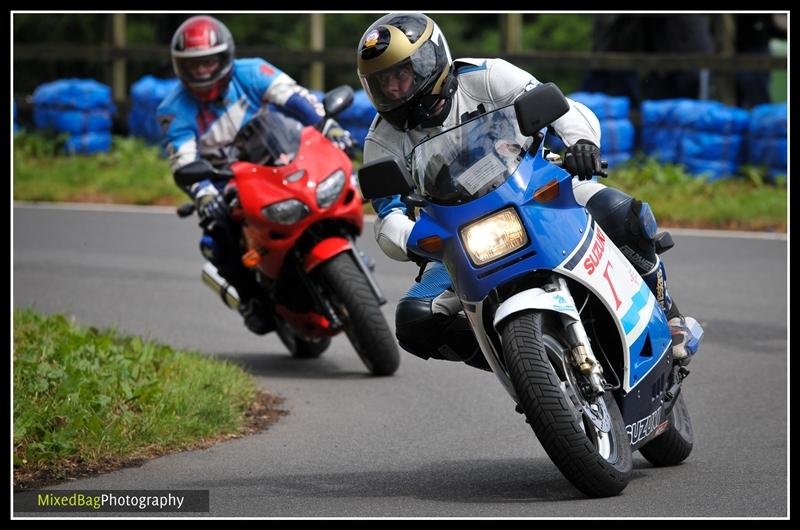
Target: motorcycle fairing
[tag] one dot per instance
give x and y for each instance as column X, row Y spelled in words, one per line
column 562, row 237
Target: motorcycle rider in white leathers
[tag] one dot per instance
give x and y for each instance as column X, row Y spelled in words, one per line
column 405, row 66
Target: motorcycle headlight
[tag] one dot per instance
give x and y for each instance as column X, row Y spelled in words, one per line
column 494, row 237
column 285, row 212
column 329, row 189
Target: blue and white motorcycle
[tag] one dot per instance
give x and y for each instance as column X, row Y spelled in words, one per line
column 564, row 320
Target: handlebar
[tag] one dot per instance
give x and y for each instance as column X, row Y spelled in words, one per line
column 601, row 173
column 185, row 210
column 603, row 167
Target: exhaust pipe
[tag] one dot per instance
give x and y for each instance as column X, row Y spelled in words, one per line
column 220, row 285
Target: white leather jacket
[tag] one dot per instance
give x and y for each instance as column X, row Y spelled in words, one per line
column 491, row 82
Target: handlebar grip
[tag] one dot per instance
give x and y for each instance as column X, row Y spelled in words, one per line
column 185, row 210
column 603, row 167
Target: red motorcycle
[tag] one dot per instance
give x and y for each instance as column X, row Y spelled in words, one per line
column 293, row 192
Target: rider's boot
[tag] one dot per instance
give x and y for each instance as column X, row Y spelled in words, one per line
column 686, row 331
column 257, row 316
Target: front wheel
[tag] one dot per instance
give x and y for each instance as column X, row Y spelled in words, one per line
column 586, row 440
column 675, row 444
column 361, row 314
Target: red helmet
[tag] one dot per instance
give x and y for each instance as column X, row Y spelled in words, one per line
column 202, row 56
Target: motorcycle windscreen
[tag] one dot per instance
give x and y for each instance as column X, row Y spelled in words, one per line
column 468, row 161
column 271, row 138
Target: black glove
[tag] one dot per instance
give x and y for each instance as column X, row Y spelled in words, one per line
column 211, row 208
column 338, row 135
column 583, row 160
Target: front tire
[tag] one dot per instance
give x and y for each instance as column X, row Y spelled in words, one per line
column 597, row 463
column 361, row 314
column 675, row 444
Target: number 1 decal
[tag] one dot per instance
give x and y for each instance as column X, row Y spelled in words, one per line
column 613, row 291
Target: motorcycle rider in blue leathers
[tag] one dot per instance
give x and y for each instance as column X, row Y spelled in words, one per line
column 217, row 96
column 405, row 67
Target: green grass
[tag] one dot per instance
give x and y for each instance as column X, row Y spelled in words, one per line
column 84, row 395
column 132, row 172
column 680, row 199
column 135, row 173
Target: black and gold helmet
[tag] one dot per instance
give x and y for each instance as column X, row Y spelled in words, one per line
column 405, row 67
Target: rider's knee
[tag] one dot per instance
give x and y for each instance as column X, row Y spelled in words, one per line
column 431, row 335
column 630, row 223
column 413, row 322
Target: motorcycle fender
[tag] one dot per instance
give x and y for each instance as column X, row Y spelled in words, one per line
column 559, row 301
column 325, row 250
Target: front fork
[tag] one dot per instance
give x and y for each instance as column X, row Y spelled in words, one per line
column 580, row 348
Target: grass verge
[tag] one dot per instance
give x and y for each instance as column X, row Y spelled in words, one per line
column 131, row 173
column 89, row 401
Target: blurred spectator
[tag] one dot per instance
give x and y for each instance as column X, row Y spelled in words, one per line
column 753, row 33
column 649, row 34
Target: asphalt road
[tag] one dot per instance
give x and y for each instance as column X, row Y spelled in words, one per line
column 438, row 439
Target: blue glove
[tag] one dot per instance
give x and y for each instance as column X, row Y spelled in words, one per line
column 338, row 135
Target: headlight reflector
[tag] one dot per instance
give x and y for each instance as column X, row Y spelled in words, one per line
column 494, row 237
column 285, row 212
column 329, row 189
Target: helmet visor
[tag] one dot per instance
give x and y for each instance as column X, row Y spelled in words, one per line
column 203, row 70
column 393, row 86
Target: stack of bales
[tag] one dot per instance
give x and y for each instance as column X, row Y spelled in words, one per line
column 767, row 144
column 146, row 94
column 707, row 137
column 617, row 132
column 82, row 108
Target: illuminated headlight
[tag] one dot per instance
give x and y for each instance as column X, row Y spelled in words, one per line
column 285, row 212
column 329, row 189
column 494, row 237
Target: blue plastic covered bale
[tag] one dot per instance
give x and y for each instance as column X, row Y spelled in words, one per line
column 767, row 138
column 605, row 107
column 662, row 143
column 617, row 133
column 82, row 108
column 769, row 120
column 772, row 152
column 708, row 146
column 92, row 142
column 711, row 169
column 617, row 136
column 712, row 116
column 663, row 113
column 81, row 121
column 661, row 131
column 705, row 136
column 146, row 94
column 81, row 94
column 712, row 142
column 616, row 158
